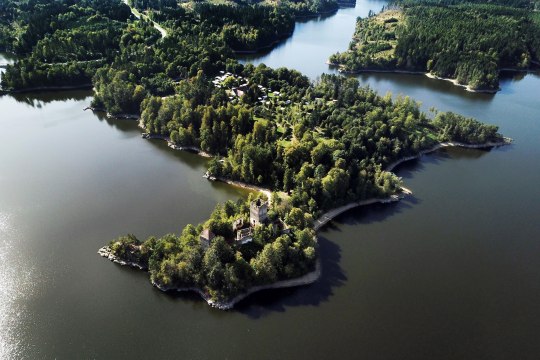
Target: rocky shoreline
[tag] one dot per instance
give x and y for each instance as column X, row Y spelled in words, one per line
column 505, row 141
column 174, row 146
column 107, row 253
column 342, row 70
column 306, row 279
column 331, row 214
column 244, row 185
column 466, row 87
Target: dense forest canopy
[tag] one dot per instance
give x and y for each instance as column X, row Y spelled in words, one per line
column 225, row 269
column 467, row 41
column 66, row 41
column 319, row 144
column 333, row 138
column 60, row 43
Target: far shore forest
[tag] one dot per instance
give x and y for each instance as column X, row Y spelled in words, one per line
column 468, row 41
column 316, row 144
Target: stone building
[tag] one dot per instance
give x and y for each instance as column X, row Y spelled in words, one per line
column 244, row 236
column 206, row 238
column 258, row 212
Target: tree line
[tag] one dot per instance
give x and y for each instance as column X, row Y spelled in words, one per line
column 59, row 43
column 329, row 146
column 470, row 42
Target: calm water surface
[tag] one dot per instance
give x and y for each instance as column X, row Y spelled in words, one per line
column 449, row 273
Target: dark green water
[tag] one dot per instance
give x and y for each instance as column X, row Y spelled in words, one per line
column 450, row 273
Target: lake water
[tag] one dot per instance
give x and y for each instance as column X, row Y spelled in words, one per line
column 449, row 273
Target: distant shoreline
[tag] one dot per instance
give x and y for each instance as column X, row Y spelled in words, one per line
column 263, row 47
column 47, row 88
column 429, row 75
column 446, row 144
column 466, row 87
column 288, row 35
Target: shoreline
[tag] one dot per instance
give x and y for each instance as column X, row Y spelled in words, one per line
column 429, row 75
column 105, row 252
column 245, row 185
column 148, row 136
column 446, row 144
column 306, row 279
column 47, row 88
column 528, row 71
column 341, row 70
column 172, row 145
column 466, row 87
column 264, row 47
column 112, row 116
column 191, row 149
column 325, row 218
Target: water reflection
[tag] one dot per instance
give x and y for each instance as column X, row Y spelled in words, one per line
column 18, row 285
column 39, row 99
column 128, row 127
column 333, row 276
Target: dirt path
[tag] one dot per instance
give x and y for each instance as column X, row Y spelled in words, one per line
column 138, row 15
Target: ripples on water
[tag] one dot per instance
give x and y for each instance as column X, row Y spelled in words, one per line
column 17, row 284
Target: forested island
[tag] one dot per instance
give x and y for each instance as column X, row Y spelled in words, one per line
column 316, row 145
column 469, row 42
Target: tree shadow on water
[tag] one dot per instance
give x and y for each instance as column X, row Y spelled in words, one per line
column 407, row 169
column 265, row 302
column 374, row 213
column 40, row 98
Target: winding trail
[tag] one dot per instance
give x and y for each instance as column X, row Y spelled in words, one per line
column 138, row 15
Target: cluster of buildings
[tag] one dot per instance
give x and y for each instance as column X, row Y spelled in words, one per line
column 243, row 231
column 235, row 91
column 241, row 86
